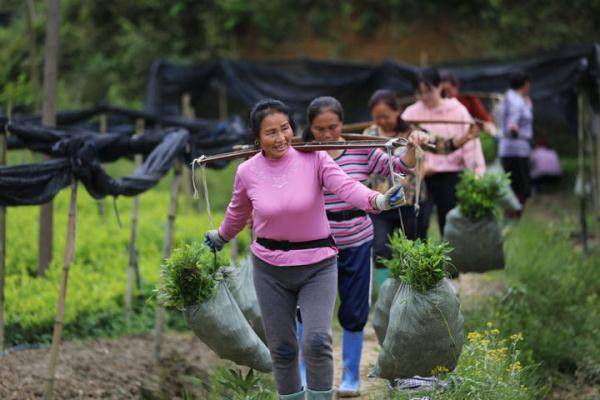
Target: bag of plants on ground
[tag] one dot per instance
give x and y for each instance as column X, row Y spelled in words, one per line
column 241, row 286
column 381, row 314
column 472, row 228
column 193, row 282
column 426, row 328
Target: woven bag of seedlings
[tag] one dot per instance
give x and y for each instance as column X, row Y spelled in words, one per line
column 425, row 329
column 472, row 228
column 381, row 314
column 241, row 286
column 194, row 282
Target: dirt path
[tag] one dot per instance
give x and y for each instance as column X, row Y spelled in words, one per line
column 110, row 369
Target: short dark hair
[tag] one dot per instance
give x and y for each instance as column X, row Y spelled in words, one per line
column 518, row 79
column 430, row 77
column 385, row 96
column 316, row 108
column 267, row 107
column 447, row 76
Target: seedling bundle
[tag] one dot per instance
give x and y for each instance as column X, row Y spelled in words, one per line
column 472, row 228
column 197, row 283
column 417, row 316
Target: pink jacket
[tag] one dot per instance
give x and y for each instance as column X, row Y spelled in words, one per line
column 285, row 197
column 469, row 156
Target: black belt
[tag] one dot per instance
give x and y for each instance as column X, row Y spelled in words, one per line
column 345, row 215
column 287, row 246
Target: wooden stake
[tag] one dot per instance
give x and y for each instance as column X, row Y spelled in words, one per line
column 2, row 244
column 34, row 75
column 103, row 129
column 133, row 259
column 62, row 294
column 581, row 153
column 597, row 157
column 188, row 112
column 168, row 243
column 223, row 115
column 49, row 120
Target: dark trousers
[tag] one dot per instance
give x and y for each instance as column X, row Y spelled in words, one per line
column 354, row 286
column 386, row 223
column 441, row 189
column 520, row 181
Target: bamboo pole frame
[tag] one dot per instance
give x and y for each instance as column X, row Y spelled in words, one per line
column 62, row 294
column 223, row 115
column 166, row 252
column 581, row 156
column 188, row 112
column 46, row 232
column 132, row 268
column 3, row 135
column 103, row 128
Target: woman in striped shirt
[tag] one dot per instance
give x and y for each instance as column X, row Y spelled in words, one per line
column 352, row 228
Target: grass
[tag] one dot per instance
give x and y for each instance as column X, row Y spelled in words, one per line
column 97, row 279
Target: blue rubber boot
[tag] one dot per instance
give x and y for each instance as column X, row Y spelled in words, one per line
column 352, row 343
column 315, row 395
column 301, row 356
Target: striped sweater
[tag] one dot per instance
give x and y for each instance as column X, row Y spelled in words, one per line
column 358, row 164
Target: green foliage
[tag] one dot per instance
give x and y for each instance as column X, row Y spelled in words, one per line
column 490, row 368
column 553, row 299
column 478, row 196
column 489, row 146
column 419, row 264
column 190, row 276
column 98, row 275
column 107, row 47
column 240, row 387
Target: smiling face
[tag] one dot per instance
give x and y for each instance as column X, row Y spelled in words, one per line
column 275, row 135
column 326, row 126
column 385, row 117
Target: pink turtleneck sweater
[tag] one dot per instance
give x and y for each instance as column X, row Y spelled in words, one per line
column 285, row 198
column 468, row 156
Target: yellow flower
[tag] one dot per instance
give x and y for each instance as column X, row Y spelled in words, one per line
column 489, row 324
column 440, row 369
column 473, row 336
column 484, row 342
column 517, row 337
column 515, row 367
column 495, row 332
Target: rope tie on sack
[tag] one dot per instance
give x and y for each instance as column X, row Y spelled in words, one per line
column 211, row 224
column 390, row 146
column 204, row 185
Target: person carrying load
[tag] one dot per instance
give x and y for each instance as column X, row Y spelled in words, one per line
column 294, row 254
column 352, row 229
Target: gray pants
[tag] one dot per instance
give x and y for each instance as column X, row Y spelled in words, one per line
column 280, row 290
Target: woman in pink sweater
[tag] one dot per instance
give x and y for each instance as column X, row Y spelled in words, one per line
column 442, row 170
column 294, row 255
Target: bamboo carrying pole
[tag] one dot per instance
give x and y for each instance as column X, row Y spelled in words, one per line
column 49, row 119
column 62, row 294
column 132, row 269
column 160, row 311
column 582, row 183
column 2, row 243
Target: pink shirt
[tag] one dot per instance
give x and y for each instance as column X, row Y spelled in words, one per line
column 544, row 162
column 468, row 156
column 285, row 197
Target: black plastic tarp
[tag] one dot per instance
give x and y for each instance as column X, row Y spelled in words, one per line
column 556, row 78
column 78, row 158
